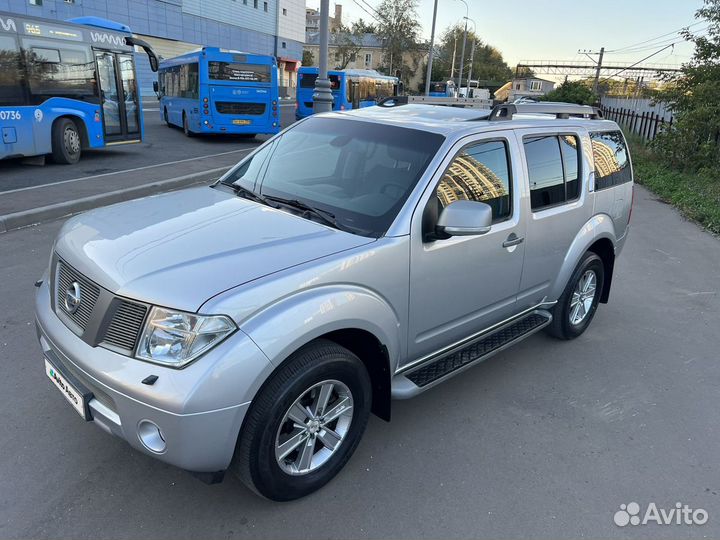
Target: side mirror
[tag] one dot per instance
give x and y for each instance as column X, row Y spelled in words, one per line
column 464, row 218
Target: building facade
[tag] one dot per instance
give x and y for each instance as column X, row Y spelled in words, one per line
column 173, row 27
column 312, row 19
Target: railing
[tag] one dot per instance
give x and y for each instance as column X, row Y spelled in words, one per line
column 646, row 125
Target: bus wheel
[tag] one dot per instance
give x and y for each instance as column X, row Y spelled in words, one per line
column 66, row 142
column 165, row 116
column 186, row 126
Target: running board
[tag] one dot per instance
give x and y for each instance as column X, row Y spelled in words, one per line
column 418, row 379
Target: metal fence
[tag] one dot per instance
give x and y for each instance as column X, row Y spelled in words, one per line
column 646, row 125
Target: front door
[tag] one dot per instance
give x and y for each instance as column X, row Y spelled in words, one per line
column 462, row 285
column 119, row 96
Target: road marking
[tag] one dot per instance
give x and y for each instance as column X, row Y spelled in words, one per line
column 151, row 110
column 28, row 188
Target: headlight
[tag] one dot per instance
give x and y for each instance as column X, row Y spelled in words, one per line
column 175, row 338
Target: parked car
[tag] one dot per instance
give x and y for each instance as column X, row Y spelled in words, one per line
column 253, row 325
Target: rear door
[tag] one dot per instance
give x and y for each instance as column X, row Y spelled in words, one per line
column 557, row 171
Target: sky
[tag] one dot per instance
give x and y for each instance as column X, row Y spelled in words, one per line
column 556, row 29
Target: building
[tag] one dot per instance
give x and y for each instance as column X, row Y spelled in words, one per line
column 312, row 20
column 524, row 87
column 174, row 27
column 369, row 55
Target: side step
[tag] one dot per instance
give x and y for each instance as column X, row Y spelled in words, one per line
column 479, row 349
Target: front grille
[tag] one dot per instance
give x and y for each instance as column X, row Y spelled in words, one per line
column 232, row 107
column 66, row 276
column 125, row 326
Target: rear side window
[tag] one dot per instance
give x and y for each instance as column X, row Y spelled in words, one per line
column 612, row 166
column 553, row 169
column 480, row 172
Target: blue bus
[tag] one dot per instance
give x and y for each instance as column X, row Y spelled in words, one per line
column 351, row 89
column 215, row 90
column 442, row 89
column 67, row 86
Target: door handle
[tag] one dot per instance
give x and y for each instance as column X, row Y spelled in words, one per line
column 512, row 240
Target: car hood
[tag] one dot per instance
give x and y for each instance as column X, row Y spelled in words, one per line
column 179, row 249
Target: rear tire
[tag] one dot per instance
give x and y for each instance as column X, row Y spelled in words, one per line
column 165, row 116
column 576, row 308
column 186, row 126
column 66, row 142
column 288, row 415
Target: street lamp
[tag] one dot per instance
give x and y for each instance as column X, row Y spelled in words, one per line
column 462, row 54
column 472, row 56
column 322, row 95
column 430, row 52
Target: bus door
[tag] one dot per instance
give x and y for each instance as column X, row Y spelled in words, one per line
column 119, row 96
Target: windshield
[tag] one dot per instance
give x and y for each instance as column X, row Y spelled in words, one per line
column 360, row 172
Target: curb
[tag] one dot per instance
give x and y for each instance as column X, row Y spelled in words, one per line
column 18, row 220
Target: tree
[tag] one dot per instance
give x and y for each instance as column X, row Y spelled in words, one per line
column 399, row 31
column 308, row 58
column 362, row 27
column 693, row 142
column 347, row 46
column 572, row 92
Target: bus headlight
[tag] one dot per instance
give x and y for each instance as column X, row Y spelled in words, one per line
column 175, row 338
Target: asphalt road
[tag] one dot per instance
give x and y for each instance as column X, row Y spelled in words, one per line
column 545, row 440
column 161, row 144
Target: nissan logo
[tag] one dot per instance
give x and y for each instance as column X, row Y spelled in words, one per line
column 72, row 298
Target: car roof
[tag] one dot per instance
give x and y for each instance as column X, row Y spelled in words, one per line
column 462, row 121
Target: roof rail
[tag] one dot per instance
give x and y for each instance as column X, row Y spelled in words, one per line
column 560, row 110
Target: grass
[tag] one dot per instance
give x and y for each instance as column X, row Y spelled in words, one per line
column 696, row 195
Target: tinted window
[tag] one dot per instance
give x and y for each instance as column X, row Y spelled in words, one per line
column 479, row 173
column 545, row 171
column 308, row 80
column 361, row 172
column 236, row 71
column 65, row 71
column 612, row 166
column 11, row 83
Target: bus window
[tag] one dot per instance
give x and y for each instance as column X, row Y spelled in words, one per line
column 308, row 80
column 226, row 71
column 64, row 71
column 10, row 75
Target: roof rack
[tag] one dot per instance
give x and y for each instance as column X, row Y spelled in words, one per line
column 560, row 110
column 460, row 102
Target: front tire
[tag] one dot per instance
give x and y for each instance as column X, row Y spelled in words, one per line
column 305, row 423
column 66, row 142
column 576, row 308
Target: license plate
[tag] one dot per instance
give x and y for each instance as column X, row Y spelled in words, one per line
column 242, row 122
column 74, row 396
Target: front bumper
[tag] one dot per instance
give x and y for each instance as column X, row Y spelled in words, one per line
column 198, row 411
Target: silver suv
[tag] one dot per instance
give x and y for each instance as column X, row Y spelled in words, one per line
column 356, row 257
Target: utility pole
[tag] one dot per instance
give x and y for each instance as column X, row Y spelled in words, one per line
column 596, row 84
column 430, row 52
column 462, row 57
column 472, row 56
column 452, row 69
column 322, row 95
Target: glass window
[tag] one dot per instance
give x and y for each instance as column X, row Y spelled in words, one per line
column 545, row 171
column 308, row 80
column 66, row 71
column 570, row 150
column 479, row 173
column 361, row 172
column 255, row 4
column 265, row 6
column 236, row 71
column 612, row 166
column 11, row 87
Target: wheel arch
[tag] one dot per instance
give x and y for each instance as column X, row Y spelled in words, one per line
column 79, row 124
column 598, row 236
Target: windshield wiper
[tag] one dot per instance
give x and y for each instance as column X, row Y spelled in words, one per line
column 327, row 217
column 249, row 194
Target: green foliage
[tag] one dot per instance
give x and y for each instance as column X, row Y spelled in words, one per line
column 695, row 194
column 362, row 27
column 572, row 92
column 693, row 142
column 488, row 63
column 347, row 45
column 308, row 58
column 399, row 31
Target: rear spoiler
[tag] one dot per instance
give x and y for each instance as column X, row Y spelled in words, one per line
column 152, row 57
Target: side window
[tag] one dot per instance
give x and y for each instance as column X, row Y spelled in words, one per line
column 553, row 169
column 11, row 76
column 612, row 166
column 480, row 172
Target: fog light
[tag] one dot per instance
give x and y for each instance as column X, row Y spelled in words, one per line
column 151, row 437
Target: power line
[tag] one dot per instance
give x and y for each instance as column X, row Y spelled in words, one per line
column 666, row 41
column 375, row 11
column 366, row 11
column 638, row 62
column 658, row 37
